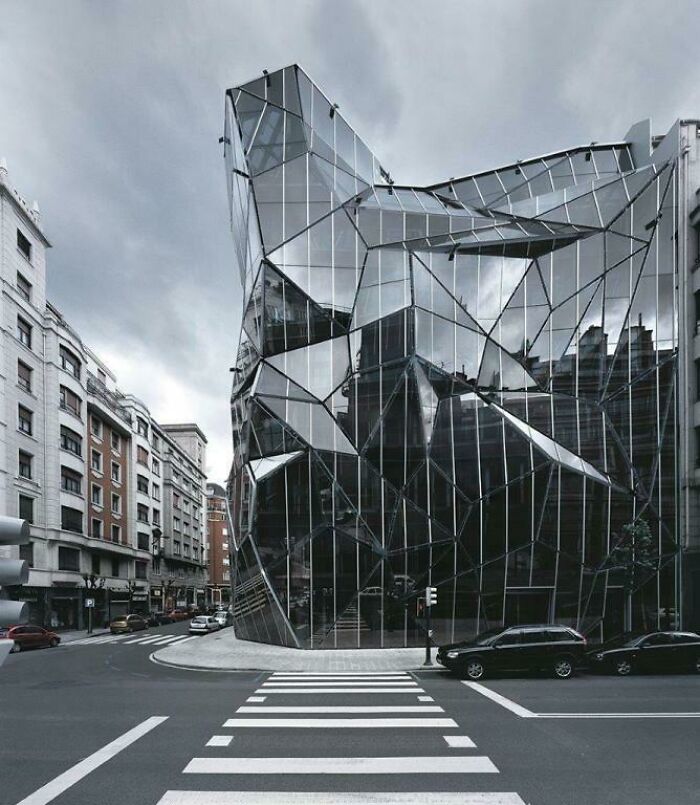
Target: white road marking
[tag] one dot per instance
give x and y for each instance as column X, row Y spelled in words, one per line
column 426, row 699
column 450, row 764
column 339, row 690
column 337, row 798
column 339, row 682
column 381, row 708
column 459, row 742
column 256, row 698
column 277, row 674
column 164, row 640
column 514, row 707
column 152, row 640
column 340, row 723
column 341, row 677
column 64, row 781
column 141, row 639
column 219, row 740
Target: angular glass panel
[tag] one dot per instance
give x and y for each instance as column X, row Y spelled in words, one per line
column 320, row 368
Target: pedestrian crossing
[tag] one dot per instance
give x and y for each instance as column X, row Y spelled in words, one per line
column 133, row 640
column 391, row 705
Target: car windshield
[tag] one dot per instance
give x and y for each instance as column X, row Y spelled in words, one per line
column 199, row 620
column 634, row 641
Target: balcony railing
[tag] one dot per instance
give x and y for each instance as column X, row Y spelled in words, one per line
column 98, row 389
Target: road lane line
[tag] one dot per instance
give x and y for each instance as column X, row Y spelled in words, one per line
column 514, row 707
column 294, row 691
column 141, row 639
column 338, row 673
column 381, row 708
column 219, row 740
column 344, row 677
column 340, row 723
column 338, row 798
column 426, row 699
column 64, row 781
column 164, row 640
column 618, row 715
column 256, row 698
column 459, row 742
column 339, row 682
column 450, row 764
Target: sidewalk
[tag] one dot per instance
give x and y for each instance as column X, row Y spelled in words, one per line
column 80, row 634
column 222, row 651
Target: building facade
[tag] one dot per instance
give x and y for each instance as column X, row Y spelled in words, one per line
column 484, row 385
column 78, row 459
column 218, row 554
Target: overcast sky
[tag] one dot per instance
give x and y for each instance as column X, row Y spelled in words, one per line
column 110, row 112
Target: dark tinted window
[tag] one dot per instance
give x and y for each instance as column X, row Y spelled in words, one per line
column 657, row 640
column 536, row 636
column 559, row 635
column 685, row 638
column 509, row 639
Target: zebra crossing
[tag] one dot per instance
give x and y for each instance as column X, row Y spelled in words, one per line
column 387, row 704
column 132, row 639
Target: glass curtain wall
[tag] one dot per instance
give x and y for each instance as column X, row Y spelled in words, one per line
column 469, row 385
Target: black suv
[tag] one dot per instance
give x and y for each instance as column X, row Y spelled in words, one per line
column 543, row 647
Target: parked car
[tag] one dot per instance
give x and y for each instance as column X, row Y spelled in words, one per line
column 203, row 624
column 127, row 623
column 178, row 614
column 25, row 637
column 544, row 647
column 658, row 652
column 223, row 617
column 158, row 619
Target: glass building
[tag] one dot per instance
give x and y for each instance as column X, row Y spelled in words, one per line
column 471, row 385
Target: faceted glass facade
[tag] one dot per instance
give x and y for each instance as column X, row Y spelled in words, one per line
column 469, row 385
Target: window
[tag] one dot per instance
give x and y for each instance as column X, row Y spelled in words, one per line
column 24, row 376
column 155, row 564
column 26, row 552
column 70, row 401
column 176, row 548
column 96, row 460
column 71, row 481
column 116, row 533
column 195, row 513
column 176, row 523
column 24, row 245
column 187, row 550
column 96, row 495
column 115, row 566
column 195, row 554
column 96, row 564
column 116, row 441
column 69, row 361
column 143, row 541
column 509, row 639
column 96, row 530
column 534, row 637
column 176, row 500
column 24, row 419
column 156, row 492
column 25, row 465
column 156, row 467
column 141, row 570
column 142, row 426
column 116, row 472
column 71, row 519
column 142, row 484
column 116, row 503
column 156, row 442
column 24, row 287
column 142, row 455
column 26, row 508
column 71, row 441
column 96, row 427
column 68, row 558
column 24, row 332
column 156, row 516
column 141, row 513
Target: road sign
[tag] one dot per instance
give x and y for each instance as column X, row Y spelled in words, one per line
column 13, row 572
column 89, row 603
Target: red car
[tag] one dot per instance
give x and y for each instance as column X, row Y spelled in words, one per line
column 26, row 637
column 179, row 614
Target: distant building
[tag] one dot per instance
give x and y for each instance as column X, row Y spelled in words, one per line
column 218, row 558
column 80, row 460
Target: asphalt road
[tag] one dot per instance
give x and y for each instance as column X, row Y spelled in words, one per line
column 540, row 741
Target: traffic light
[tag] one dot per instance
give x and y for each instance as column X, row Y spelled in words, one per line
column 13, row 572
column 430, row 596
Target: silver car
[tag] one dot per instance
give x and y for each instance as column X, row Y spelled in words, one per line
column 223, row 617
column 203, row 624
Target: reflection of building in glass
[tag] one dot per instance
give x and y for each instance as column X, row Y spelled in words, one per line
column 470, row 385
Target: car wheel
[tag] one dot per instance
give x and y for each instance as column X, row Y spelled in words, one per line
column 474, row 670
column 623, row 667
column 16, row 648
column 563, row 668
column 53, row 642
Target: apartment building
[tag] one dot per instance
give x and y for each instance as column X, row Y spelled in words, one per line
column 179, row 571
column 218, row 554
column 80, row 460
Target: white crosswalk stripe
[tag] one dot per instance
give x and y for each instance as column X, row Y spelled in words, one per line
column 333, row 709
column 131, row 640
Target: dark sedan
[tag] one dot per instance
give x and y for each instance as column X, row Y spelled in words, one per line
column 547, row 647
column 26, row 637
column 657, row 652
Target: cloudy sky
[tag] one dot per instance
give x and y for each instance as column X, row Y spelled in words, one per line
column 110, row 112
